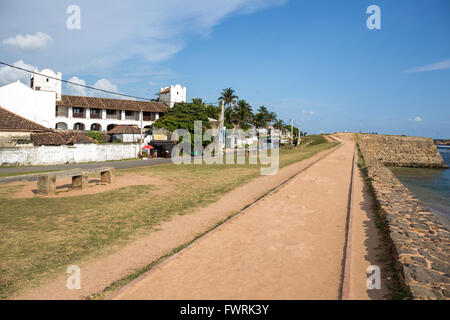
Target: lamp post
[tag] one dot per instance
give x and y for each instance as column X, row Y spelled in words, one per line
column 222, row 115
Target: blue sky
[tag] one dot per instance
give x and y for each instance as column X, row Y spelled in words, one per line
column 315, row 61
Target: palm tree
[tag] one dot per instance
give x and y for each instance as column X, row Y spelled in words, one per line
column 242, row 114
column 228, row 97
column 271, row 117
column 279, row 124
column 198, row 102
column 264, row 117
column 258, row 120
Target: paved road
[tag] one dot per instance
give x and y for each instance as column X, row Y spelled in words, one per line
column 116, row 164
column 288, row 246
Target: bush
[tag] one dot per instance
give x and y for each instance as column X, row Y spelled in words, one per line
column 97, row 136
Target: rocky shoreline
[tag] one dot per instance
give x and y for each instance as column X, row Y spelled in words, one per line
column 420, row 243
column 442, row 142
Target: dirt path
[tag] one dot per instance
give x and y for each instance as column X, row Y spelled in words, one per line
column 366, row 242
column 99, row 272
column 288, row 246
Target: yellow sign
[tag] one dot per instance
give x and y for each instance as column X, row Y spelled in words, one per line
column 159, row 137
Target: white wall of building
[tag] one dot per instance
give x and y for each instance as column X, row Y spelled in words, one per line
column 175, row 93
column 128, row 137
column 44, row 155
column 104, row 123
column 38, row 106
column 46, row 80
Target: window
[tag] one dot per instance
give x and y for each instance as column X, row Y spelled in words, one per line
column 129, row 113
column 95, row 111
column 78, row 126
column 111, row 112
column 77, row 110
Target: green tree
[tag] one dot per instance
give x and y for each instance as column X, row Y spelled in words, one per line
column 229, row 99
column 182, row 116
column 263, row 117
column 242, row 114
column 198, row 102
column 295, row 129
column 213, row 111
column 278, row 124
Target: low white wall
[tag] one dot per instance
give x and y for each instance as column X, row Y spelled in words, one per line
column 68, row 154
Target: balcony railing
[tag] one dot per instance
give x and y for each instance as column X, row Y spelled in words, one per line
column 62, row 114
column 96, row 115
column 78, row 115
column 113, row 116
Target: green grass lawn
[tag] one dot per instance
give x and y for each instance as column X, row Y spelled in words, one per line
column 41, row 236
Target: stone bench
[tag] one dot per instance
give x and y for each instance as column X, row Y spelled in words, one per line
column 46, row 183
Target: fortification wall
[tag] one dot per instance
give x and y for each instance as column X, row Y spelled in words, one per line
column 399, row 151
column 421, row 244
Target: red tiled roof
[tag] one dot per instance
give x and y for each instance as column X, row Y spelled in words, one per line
column 112, row 104
column 125, row 129
column 60, row 138
column 10, row 121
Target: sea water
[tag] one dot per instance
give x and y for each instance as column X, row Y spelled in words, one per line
column 431, row 186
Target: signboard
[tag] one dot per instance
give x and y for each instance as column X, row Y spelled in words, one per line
column 159, row 137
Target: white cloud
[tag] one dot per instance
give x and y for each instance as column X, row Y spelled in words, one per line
column 416, row 119
column 105, row 84
column 308, row 112
column 143, row 32
column 29, row 42
column 76, row 90
column 441, row 65
column 8, row 74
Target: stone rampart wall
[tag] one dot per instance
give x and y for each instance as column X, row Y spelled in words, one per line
column 421, row 244
column 400, row 151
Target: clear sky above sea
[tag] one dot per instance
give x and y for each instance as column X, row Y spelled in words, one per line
column 314, row 61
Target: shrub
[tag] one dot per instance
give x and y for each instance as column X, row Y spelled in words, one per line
column 97, row 136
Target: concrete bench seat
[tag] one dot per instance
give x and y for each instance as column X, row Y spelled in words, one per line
column 46, row 183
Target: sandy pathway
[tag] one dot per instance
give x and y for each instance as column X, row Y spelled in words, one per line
column 365, row 243
column 288, row 246
column 98, row 272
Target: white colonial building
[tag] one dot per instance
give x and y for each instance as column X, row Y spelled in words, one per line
column 46, row 80
column 44, row 103
column 173, row 94
column 38, row 106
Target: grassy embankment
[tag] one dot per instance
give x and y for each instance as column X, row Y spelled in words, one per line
column 41, row 236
